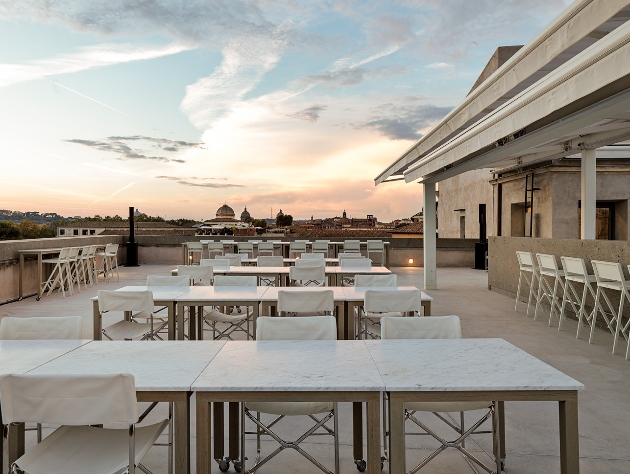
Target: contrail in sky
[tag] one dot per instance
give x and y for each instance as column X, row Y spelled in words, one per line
column 90, row 98
column 110, row 196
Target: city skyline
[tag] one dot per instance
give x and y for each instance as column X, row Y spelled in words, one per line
column 175, row 109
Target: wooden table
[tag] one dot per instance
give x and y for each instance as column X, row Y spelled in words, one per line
column 164, row 372
column 162, row 296
column 19, row 357
column 454, row 370
column 40, row 253
column 291, row 371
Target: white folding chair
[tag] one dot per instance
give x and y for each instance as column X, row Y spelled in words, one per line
column 236, row 259
column 84, row 266
column 296, row 248
column 610, row 276
column 265, row 248
column 161, row 280
column 73, row 265
column 351, row 246
column 390, row 280
column 110, row 261
column 308, row 273
column 575, row 272
column 527, row 266
column 344, row 255
column 308, row 328
column 267, row 261
column 359, row 263
column 234, row 317
column 197, row 275
column 193, row 248
column 320, row 247
column 313, row 256
column 59, row 274
column 383, row 303
column 77, row 403
column 548, row 270
column 246, row 248
column 376, row 247
column 55, row 328
column 215, row 248
column 439, row 327
column 136, row 305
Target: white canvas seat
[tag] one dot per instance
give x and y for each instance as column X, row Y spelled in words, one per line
column 376, row 248
column 54, row 328
column 246, row 248
column 265, row 248
column 385, row 303
column 269, row 261
column 308, row 273
column 235, row 318
column 75, row 402
column 215, row 248
column 308, row 328
column 438, row 327
column 548, row 271
column 358, row 263
column 192, row 249
column 528, row 273
column 60, row 274
column 610, row 276
column 140, row 306
column 575, row 272
column 198, row 275
column 296, row 248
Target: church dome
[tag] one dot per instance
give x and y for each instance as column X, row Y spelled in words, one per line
column 245, row 214
column 280, row 214
column 225, row 211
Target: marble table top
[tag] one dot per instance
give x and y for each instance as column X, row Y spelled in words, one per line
column 169, row 366
column 280, row 366
column 251, row 270
column 357, row 293
column 223, row 293
column 272, row 292
column 359, row 271
column 463, row 365
column 160, row 293
column 18, row 357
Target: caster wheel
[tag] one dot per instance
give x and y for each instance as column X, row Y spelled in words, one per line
column 224, row 465
column 237, row 466
column 361, row 465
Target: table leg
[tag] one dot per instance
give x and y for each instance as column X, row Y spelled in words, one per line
column 255, row 314
column 204, row 446
column 350, row 321
column 182, row 434
column 569, row 437
column 21, row 279
column 502, row 429
column 357, row 430
column 426, row 306
column 496, row 437
column 397, row 463
column 219, row 430
column 234, row 429
column 171, row 320
column 39, row 274
column 341, row 318
column 97, row 322
column 200, row 323
column 1, row 443
column 16, row 442
column 180, row 321
column 192, row 323
column 374, row 436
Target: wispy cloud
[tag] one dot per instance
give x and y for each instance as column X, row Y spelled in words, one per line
column 116, row 144
column 125, row 187
column 86, row 58
column 310, row 114
column 196, row 182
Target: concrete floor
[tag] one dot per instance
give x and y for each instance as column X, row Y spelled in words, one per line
column 531, row 428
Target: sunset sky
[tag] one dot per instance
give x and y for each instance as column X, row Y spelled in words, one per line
column 176, row 107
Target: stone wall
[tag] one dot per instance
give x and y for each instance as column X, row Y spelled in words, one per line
column 10, row 257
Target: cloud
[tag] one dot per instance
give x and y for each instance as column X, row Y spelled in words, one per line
column 440, row 66
column 403, row 122
column 86, row 58
column 116, row 144
column 194, row 182
column 310, row 114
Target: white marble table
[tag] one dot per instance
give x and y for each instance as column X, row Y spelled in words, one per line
column 355, row 296
column 199, row 296
column 468, row 370
column 339, row 273
column 164, row 371
column 244, row 371
column 162, row 296
column 270, row 302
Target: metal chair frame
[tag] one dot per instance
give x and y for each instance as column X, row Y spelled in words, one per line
column 526, row 265
column 548, row 268
column 57, row 275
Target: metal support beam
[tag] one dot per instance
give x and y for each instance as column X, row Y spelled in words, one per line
column 430, row 250
column 588, row 193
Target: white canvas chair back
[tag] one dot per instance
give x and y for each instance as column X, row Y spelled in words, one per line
column 302, row 241
column 297, row 247
column 228, row 280
column 355, row 263
column 375, row 246
column 236, row 259
column 220, row 262
column 265, row 247
column 161, row 280
column 305, row 301
column 246, row 248
column 547, row 264
column 383, row 301
column 194, row 246
column 65, row 327
column 310, row 262
column 525, row 260
column 215, row 247
column 269, row 261
column 111, row 249
column 607, row 272
column 429, row 327
column 85, row 251
column 73, row 400
column 312, row 256
column 63, row 253
column 312, row 328
column 352, row 246
column 390, row 280
column 344, row 255
column 196, row 274
column 208, row 262
column 319, row 247
column 574, row 268
column 73, row 253
column 125, row 301
column 307, row 273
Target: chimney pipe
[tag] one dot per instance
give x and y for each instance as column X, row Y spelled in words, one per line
column 132, row 245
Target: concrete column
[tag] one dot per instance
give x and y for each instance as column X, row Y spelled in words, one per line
column 430, row 275
column 588, row 194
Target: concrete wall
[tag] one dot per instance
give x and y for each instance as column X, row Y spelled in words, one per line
column 503, row 268
column 10, row 268
column 465, row 191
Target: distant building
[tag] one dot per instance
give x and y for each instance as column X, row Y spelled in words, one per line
column 245, row 215
column 411, row 231
column 82, row 228
column 226, row 218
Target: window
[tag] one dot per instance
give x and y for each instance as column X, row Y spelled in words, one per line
column 92, row 232
column 62, row 231
column 462, row 227
column 604, row 220
column 75, row 231
column 84, row 232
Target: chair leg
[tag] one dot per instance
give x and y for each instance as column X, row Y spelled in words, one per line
column 518, row 290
